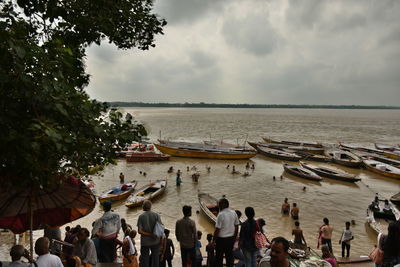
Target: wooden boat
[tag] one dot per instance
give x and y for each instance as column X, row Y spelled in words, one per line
column 395, row 199
column 347, row 146
column 331, row 173
column 223, row 144
column 379, row 220
column 147, row 192
column 136, row 147
column 89, row 183
column 382, row 168
column 355, row 261
column 387, row 147
column 277, row 154
column 313, row 150
column 392, row 154
column 291, row 143
column 301, row 172
column 344, row 158
column 118, row 192
column 146, row 156
column 209, row 206
column 206, row 153
column 311, row 157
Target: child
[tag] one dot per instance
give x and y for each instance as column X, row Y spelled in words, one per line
column 169, row 250
column 129, row 250
column 199, row 257
column 347, row 235
column 210, row 249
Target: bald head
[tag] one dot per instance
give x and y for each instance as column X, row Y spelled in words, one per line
column 42, row 246
column 17, row 252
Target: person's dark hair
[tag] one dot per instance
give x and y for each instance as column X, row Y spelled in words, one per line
column 249, row 211
column 209, row 237
column 223, row 202
column 294, row 204
column 238, row 213
column 325, row 220
column 123, row 221
column 67, row 229
column 187, row 210
column 166, row 231
column 297, row 223
column 85, row 231
column 199, row 234
column 391, row 245
column 283, row 241
column 348, row 223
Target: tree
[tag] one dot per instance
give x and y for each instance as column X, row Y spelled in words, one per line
column 48, row 124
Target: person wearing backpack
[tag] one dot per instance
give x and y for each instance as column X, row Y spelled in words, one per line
column 247, row 238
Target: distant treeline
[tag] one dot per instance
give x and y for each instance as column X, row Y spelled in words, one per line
column 213, row 105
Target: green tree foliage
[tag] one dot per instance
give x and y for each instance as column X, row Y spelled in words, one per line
column 48, row 124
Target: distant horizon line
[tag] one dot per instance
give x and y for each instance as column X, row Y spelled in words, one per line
column 219, row 105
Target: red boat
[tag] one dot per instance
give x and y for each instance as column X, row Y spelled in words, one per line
column 146, row 156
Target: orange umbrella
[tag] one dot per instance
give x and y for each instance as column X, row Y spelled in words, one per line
column 33, row 208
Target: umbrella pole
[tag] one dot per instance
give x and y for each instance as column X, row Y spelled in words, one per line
column 31, row 226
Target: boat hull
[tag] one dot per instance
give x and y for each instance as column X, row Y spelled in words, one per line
column 290, row 169
column 205, row 201
column 381, row 172
column 276, row 154
column 143, row 157
column 332, row 175
column 151, row 196
column 117, row 197
column 187, row 153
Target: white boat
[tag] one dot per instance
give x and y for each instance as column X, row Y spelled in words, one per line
column 147, row 192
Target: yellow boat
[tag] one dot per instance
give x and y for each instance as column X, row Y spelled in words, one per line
column 382, row 168
column 392, row 155
column 204, row 152
column 118, row 192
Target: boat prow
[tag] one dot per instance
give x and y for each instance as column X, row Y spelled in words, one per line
column 148, row 192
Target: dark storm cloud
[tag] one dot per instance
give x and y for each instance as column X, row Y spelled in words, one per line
column 253, row 34
column 187, row 11
column 256, row 51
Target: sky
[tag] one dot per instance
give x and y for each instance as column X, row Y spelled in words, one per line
column 326, row 52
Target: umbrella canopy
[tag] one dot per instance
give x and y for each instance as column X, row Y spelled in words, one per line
column 33, row 208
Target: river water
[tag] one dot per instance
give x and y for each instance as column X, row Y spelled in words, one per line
column 338, row 201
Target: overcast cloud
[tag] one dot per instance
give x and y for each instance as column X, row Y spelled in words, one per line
column 260, row 52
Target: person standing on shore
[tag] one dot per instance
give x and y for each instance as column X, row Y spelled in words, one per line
column 326, row 234
column 285, row 206
column 107, row 228
column 345, row 239
column 148, row 240
column 186, row 234
column 226, row 230
column 45, row 258
column 121, row 178
column 247, row 242
column 295, row 212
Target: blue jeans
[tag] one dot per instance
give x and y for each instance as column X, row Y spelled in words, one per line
column 145, row 257
column 250, row 257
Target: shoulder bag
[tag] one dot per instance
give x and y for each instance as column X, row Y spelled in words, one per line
column 377, row 254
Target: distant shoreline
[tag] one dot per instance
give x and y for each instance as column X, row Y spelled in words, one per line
column 212, row 105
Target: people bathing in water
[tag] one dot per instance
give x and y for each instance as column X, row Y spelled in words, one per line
column 234, row 171
column 298, row 235
column 294, row 212
column 171, row 169
column 285, row 206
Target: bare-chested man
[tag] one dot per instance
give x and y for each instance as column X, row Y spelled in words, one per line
column 326, row 234
column 295, row 212
column 285, row 207
column 298, row 235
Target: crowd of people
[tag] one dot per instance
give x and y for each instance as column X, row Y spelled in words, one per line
column 241, row 244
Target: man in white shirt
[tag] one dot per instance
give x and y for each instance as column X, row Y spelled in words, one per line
column 46, row 259
column 226, row 230
column 107, row 228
